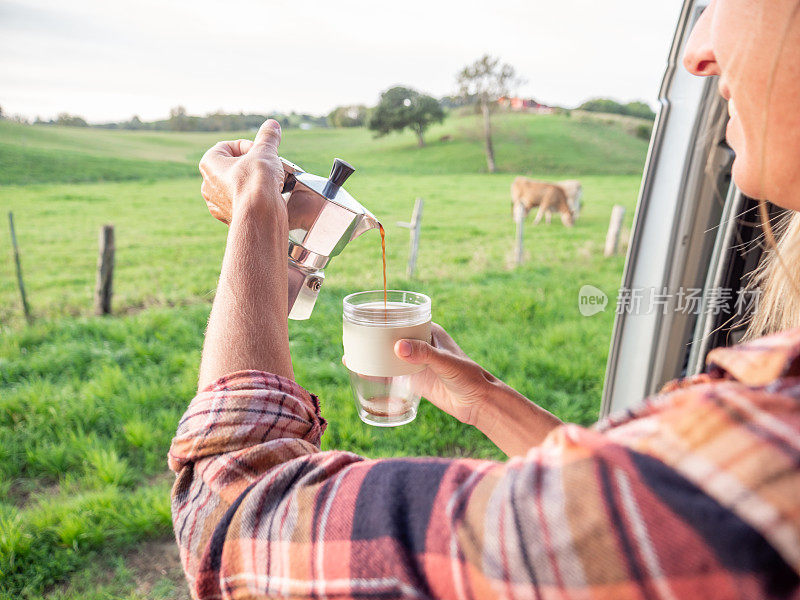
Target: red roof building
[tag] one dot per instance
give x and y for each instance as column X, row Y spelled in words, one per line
column 525, row 105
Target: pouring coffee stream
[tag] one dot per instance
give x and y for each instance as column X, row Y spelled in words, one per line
column 323, row 218
column 385, row 289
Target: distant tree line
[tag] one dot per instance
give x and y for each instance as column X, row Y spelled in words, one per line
column 15, row 118
column 607, row 105
column 180, row 120
column 480, row 85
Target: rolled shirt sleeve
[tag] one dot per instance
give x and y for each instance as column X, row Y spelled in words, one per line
column 259, row 511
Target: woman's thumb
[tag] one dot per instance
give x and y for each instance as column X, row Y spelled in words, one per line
column 268, row 136
column 421, row 352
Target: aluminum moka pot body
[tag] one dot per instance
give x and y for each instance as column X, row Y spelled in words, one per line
column 323, row 218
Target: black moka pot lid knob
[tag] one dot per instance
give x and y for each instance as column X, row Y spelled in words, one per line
column 340, row 171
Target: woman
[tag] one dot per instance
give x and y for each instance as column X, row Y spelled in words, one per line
column 694, row 495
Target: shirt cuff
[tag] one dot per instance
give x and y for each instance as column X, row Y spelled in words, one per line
column 244, row 409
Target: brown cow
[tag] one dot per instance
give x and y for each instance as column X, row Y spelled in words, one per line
column 549, row 197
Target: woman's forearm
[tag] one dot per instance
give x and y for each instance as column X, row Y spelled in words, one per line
column 511, row 421
column 248, row 326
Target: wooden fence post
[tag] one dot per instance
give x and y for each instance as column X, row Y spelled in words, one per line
column 415, row 226
column 25, row 308
column 519, row 219
column 614, row 228
column 105, row 272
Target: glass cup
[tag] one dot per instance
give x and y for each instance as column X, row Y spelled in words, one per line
column 381, row 382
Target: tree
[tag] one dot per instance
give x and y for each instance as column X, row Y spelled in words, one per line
column 68, row 120
column 640, row 109
column 607, row 105
column 487, row 80
column 603, row 105
column 348, row 116
column 402, row 107
column 178, row 119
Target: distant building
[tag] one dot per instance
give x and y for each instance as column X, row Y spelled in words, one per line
column 525, row 105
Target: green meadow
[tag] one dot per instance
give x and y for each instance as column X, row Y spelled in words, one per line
column 88, row 404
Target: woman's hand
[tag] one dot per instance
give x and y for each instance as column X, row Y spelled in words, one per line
column 452, row 381
column 462, row 388
column 240, row 175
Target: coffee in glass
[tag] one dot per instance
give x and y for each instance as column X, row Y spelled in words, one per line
column 381, row 382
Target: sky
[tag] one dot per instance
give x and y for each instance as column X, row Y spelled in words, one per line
column 107, row 60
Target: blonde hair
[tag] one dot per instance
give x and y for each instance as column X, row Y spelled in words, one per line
column 776, row 278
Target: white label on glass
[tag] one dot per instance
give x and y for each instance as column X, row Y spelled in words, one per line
column 369, row 350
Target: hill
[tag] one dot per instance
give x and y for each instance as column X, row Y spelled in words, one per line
column 529, row 144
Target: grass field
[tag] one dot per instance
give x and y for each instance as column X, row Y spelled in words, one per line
column 88, row 405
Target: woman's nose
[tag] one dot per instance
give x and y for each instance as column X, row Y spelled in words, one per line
column 698, row 57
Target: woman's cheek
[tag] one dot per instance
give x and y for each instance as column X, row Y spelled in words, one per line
column 745, row 179
column 746, row 169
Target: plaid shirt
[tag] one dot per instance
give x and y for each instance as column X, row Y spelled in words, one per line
column 694, row 495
